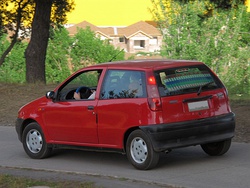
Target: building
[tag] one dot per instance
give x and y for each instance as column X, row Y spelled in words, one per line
column 138, row 37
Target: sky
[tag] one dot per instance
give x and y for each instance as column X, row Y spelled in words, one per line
column 110, row 12
column 113, row 12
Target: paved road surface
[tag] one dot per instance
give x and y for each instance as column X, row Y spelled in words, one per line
column 187, row 167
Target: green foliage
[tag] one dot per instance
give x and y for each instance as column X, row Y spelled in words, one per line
column 87, row 48
column 57, row 68
column 11, row 10
column 65, row 55
column 3, row 42
column 13, row 13
column 21, row 15
column 59, row 10
column 13, row 69
column 221, row 40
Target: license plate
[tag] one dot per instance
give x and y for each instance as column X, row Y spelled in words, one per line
column 196, row 106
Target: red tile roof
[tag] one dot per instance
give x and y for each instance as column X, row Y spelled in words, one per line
column 139, row 27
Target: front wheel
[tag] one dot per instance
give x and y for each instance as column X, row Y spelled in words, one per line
column 217, row 148
column 140, row 151
column 34, row 143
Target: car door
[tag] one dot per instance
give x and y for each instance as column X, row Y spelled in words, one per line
column 73, row 121
column 120, row 106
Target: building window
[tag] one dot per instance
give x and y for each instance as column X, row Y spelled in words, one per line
column 121, row 39
column 139, row 44
column 153, row 41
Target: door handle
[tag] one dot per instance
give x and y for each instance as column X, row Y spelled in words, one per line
column 90, row 107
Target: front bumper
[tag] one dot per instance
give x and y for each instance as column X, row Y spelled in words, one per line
column 182, row 134
column 19, row 123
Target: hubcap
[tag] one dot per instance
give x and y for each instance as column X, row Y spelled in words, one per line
column 34, row 141
column 139, row 150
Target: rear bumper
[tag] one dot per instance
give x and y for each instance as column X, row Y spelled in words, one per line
column 182, row 134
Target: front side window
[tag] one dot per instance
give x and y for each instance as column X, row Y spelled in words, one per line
column 182, row 80
column 123, row 84
column 85, row 83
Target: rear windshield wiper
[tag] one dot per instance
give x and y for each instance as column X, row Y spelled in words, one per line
column 200, row 88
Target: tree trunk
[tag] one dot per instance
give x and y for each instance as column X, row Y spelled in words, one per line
column 35, row 53
column 7, row 51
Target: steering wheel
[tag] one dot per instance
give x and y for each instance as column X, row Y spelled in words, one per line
column 85, row 92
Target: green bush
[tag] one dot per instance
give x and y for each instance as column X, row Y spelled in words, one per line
column 57, row 58
column 88, row 49
column 13, row 69
column 65, row 55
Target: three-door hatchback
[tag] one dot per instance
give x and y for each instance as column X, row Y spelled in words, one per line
column 140, row 108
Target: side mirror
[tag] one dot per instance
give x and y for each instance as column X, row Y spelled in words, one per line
column 50, row 95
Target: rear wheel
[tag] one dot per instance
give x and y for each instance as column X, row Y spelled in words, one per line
column 217, row 148
column 34, row 142
column 140, row 151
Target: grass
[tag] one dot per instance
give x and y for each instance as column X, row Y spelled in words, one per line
column 9, row 181
column 240, row 100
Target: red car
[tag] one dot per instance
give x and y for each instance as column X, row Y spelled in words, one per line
column 141, row 108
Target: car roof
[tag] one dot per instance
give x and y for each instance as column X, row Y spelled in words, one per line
column 146, row 64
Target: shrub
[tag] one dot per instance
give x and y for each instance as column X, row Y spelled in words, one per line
column 57, row 58
column 65, row 55
column 13, row 69
column 88, row 49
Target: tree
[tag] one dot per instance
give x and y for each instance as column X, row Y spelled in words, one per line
column 220, row 38
column 58, row 61
column 65, row 55
column 36, row 51
column 11, row 20
column 87, row 48
column 219, row 4
column 162, row 7
column 1, row 24
column 44, row 14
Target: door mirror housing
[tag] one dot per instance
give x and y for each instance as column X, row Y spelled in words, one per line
column 50, row 95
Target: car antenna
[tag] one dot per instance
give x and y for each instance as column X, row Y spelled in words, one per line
column 116, row 55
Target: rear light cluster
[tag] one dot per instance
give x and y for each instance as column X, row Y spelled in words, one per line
column 154, row 99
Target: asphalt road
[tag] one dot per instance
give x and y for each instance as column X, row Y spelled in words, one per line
column 187, row 167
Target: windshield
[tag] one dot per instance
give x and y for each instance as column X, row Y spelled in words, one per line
column 181, row 80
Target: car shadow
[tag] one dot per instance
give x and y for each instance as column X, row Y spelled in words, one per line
column 175, row 158
column 90, row 156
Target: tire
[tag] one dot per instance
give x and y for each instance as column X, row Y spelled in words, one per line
column 34, row 142
column 217, row 148
column 140, row 151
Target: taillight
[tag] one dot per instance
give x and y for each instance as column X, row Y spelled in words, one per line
column 154, row 99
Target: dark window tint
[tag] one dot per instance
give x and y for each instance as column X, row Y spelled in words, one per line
column 182, row 80
column 123, row 84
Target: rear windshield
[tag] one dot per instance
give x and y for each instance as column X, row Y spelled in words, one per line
column 182, row 80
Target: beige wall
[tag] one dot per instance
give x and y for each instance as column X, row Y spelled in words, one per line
column 150, row 44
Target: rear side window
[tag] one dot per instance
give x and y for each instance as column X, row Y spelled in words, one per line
column 123, row 84
column 181, row 80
